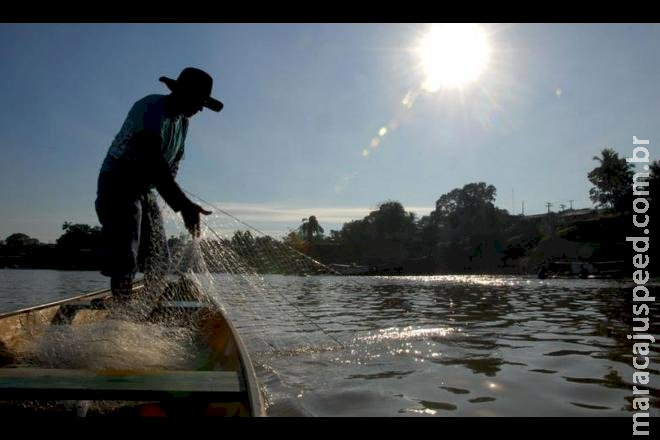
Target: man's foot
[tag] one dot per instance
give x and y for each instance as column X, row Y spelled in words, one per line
column 122, row 288
column 126, row 309
column 123, row 304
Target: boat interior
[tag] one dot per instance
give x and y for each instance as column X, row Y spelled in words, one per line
column 217, row 381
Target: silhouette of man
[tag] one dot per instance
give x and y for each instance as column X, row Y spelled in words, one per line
column 144, row 156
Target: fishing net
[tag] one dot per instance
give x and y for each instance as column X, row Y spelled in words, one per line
column 241, row 269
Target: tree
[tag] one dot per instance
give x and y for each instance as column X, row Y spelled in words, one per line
column 242, row 241
column 428, row 235
column 335, row 236
column 310, row 229
column 612, row 181
column 385, row 236
column 391, row 221
column 176, row 244
column 20, row 241
column 294, row 241
column 79, row 237
column 467, row 228
column 469, row 209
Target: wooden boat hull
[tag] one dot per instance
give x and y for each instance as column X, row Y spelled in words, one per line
column 223, row 384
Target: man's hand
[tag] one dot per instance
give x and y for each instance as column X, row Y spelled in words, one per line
column 190, row 214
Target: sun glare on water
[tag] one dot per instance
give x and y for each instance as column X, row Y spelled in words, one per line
column 453, row 55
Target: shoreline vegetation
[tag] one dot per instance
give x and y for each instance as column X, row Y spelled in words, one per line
column 578, row 243
column 464, row 234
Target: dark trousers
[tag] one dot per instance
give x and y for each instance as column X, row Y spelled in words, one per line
column 132, row 230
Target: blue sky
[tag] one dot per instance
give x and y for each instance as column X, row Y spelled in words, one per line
column 303, row 103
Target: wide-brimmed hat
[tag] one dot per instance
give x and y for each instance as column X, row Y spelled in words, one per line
column 194, row 82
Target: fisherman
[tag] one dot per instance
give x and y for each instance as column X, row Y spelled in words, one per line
column 144, row 156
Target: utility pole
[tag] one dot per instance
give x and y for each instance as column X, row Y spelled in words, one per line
column 523, row 208
column 571, row 202
column 548, row 204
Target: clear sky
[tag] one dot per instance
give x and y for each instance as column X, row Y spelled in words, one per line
column 301, row 134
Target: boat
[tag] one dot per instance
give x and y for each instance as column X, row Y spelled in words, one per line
column 222, row 383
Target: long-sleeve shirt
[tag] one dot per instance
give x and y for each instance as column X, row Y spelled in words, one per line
column 146, row 152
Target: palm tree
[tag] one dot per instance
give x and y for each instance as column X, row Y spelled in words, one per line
column 612, row 181
column 310, row 228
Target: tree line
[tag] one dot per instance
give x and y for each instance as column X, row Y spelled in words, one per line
column 465, row 233
column 77, row 248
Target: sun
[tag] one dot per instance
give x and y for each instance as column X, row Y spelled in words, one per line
column 453, row 55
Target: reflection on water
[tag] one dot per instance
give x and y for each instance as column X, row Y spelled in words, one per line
column 437, row 346
column 454, row 345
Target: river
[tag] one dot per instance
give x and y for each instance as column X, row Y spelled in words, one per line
column 420, row 346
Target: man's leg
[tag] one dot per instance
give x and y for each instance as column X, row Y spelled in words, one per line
column 154, row 256
column 122, row 287
column 120, row 219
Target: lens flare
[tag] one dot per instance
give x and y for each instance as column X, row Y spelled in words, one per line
column 453, row 55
